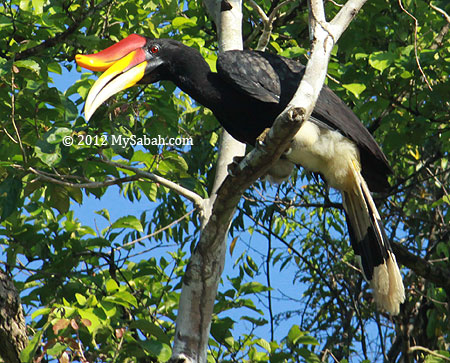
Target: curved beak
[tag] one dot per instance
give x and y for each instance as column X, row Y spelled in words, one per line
column 124, row 64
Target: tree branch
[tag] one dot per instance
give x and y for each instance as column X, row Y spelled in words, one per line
column 416, row 54
column 267, row 21
column 56, row 179
column 188, row 194
column 421, row 267
column 13, row 332
column 429, row 351
column 345, row 16
column 438, row 41
column 205, row 267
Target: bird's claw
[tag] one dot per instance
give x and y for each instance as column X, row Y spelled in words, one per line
column 288, row 151
column 260, row 140
column 234, row 166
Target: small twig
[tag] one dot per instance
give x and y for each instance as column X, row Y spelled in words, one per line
column 55, row 180
column 437, row 180
column 446, row 16
column 192, row 196
column 13, row 115
column 267, row 21
column 416, row 26
column 156, row 232
column 445, row 29
column 336, row 3
column 426, row 350
column 10, row 136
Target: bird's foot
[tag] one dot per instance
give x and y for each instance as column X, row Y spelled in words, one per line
column 260, row 140
column 234, row 166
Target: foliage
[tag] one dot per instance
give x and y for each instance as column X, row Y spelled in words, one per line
column 89, row 295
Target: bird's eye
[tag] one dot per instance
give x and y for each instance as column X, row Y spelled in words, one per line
column 154, row 49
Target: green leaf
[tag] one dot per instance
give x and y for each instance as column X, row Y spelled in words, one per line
column 381, row 60
column 104, row 213
column 439, row 356
column 355, row 88
column 307, row 339
column 58, row 198
column 151, row 329
column 182, row 22
column 49, row 154
column 297, row 336
column 150, row 189
column 54, row 67
column 10, row 190
column 28, row 64
column 128, row 222
column 123, row 298
column 5, row 22
column 38, row 6
column 28, row 353
column 146, row 158
column 309, row 356
column 264, row 344
column 43, row 311
column 158, row 350
column 81, row 299
column 111, row 286
column 94, row 318
column 252, row 264
column 48, row 148
column 56, row 350
column 24, row 5
column 252, row 288
column 56, row 135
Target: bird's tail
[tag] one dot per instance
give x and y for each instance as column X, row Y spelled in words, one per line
column 371, row 244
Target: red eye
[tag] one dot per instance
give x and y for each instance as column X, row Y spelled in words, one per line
column 154, row 49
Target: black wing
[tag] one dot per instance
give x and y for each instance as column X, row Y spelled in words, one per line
column 274, row 79
column 250, row 73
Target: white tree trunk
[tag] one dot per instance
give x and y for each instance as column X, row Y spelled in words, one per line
column 203, row 273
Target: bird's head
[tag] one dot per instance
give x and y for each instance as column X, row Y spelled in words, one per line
column 132, row 60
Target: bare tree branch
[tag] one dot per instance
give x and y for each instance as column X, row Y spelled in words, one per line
column 188, row 194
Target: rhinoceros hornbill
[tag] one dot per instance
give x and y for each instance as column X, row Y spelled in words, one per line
column 246, row 94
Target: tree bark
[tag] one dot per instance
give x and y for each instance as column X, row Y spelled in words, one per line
column 204, row 270
column 13, row 337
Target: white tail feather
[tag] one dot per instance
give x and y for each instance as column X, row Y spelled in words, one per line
column 369, row 240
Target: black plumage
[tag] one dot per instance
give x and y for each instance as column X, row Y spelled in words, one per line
column 258, row 86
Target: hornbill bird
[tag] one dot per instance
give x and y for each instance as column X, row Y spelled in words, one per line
column 248, row 91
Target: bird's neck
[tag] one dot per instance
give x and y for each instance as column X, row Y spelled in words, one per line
column 194, row 77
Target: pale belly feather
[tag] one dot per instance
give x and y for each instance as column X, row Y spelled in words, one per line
column 327, row 152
